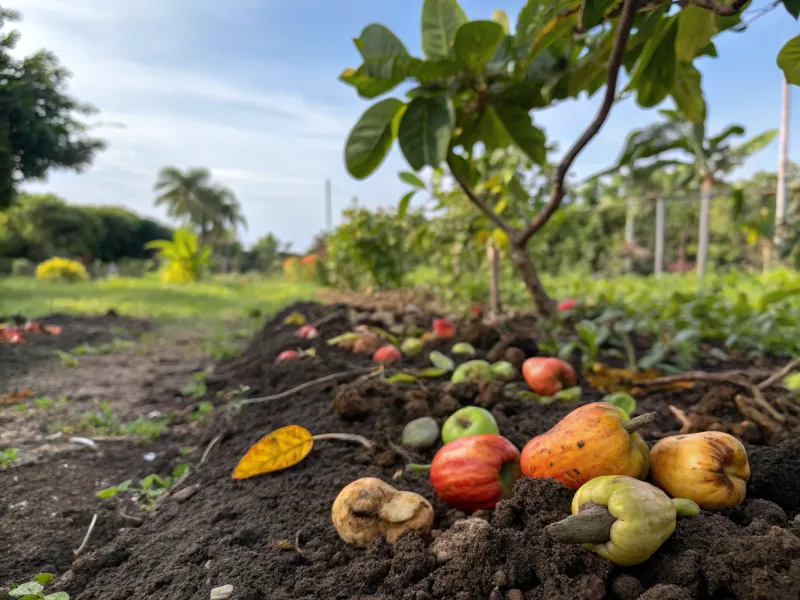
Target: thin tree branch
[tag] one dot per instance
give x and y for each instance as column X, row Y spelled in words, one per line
column 726, row 10
column 473, row 197
column 615, row 60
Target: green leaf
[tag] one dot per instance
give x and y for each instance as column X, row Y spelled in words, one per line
column 789, row 60
column 654, row 74
column 593, row 11
column 378, row 41
column 528, row 138
column 460, row 166
column 402, row 208
column 368, row 86
column 57, row 596
column 31, row 587
column 501, row 16
column 425, row 132
column 440, row 21
column 401, row 378
column 491, row 130
column 793, row 7
column 553, row 31
column 688, row 93
column 399, row 68
column 43, row 578
column 371, row 138
column 476, row 43
column 441, row 361
column 621, row 400
column 411, row 179
column 430, row 373
column 696, row 27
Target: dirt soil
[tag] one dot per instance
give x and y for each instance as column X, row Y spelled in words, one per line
column 271, row 537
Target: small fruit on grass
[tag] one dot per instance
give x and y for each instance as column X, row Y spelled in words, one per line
column 421, row 433
column 468, row 421
column 622, row 519
column 411, row 346
column 591, row 441
column 475, row 472
column 710, row 468
column 369, row 508
column 503, row 370
column 288, row 355
column 566, row 304
column 367, row 344
column 443, row 328
column 463, row 348
column 308, row 332
column 387, row 355
column 546, row 376
column 473, row 370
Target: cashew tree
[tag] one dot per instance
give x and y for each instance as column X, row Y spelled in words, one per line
column 480, row 84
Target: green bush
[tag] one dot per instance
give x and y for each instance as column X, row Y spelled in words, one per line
column 22, row 267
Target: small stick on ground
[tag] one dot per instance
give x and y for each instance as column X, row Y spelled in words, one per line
column 309, row 384
column 86, row 538
column 686, row 424
column 705, row 377
column 211, row 444
column 749, row 411
column 297, row 541
column 130, row 518
column 779, row 375
column 328, row 317
column 402, row 452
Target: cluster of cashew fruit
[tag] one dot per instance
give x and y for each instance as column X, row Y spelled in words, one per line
column 596, row 451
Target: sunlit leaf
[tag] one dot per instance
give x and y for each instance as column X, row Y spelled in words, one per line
column 31, row 587
column 401, row 378
column 370, row 139
column 402, row 207
column 281, row 449
column 654, row 75
column 411, row 179
column 430, row 372
column 696, row 27
column 789, row 60
column 593, row 11
column 476, row 43
column 440, row 21
column 441, row 361
column 376, row 40
column 425, row 132
column 621, row 400
column 609, row 380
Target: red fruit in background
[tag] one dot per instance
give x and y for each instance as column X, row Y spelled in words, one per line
column 308, row 332
column 475, row 472
column 476, row 310
column 287, row 355
column 546, row 376
column 443, row 328
column 367, row 344
column 387, row 355
column 32, row 327
column 566, row 304
column 12, row 335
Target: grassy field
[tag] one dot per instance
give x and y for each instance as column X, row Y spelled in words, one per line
column 218, row 299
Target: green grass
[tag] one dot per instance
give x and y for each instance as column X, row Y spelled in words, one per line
column 219, row 298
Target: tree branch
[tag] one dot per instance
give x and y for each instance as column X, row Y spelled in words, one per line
column 473, row 197
column 615, row 60
column 726, row 10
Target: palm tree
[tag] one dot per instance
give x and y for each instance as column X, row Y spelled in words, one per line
column 223, row 212
column 710, row 159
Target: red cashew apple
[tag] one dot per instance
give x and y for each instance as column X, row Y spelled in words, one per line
column 566, row 304
column 287, row 355
column 475, row 472
column 387, row 355
column 546, row 376
column 476, row 310
column 443, row 328
column 308, row 332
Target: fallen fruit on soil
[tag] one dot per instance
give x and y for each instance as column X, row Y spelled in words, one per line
column 710, row 468
column 463, row 348
column 566, row 304
column 622, row 519
column 686, row 507
column 546, row 376
column 475, row 472
column 591, row 441
column 308, row 332
column 369, row 508
column 387, row 355
column 411, row 346
column 421, row 433
column 472, row 370
column 288, row 355
column 468, row 421
column 443, row 328
column 294, row 318
column 367, row 344
column 503, row 371
column 441, row 361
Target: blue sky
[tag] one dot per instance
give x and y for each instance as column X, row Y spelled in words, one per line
column 249, row 89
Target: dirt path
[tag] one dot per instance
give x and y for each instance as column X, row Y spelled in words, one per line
column 117, row 393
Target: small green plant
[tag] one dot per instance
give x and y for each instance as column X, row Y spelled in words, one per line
column 34, row 590
column 148, row 430
column 196, row 386
column 8, row 457
column 102, row 420
column 202, row 414
column 182, row 259
column 44, row 402
column 116, row 344
column 67, row 359
column 186, row 451
column 150, row 488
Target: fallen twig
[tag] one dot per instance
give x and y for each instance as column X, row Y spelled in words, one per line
column 309, row 384
column 328, row 317
column 779, row 375
column 402, row 452
column 749, row 411
column 703, row 376
column 131, row 518
column 211, row 444
column 86, row 538
column 682, row 418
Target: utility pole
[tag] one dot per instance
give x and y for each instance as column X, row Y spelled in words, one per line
column 658, row 268
column 328, row 207
column 629, row 233
column 783, row 144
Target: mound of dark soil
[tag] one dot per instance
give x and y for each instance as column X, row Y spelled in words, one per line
column 271, row 537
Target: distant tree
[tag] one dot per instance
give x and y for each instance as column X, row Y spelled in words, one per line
column 223, row 212
column 39, row 126
column 125, row 233
column 265, row 254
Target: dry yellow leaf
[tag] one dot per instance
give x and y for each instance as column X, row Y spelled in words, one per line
column 609, row 380
column 281, row 449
